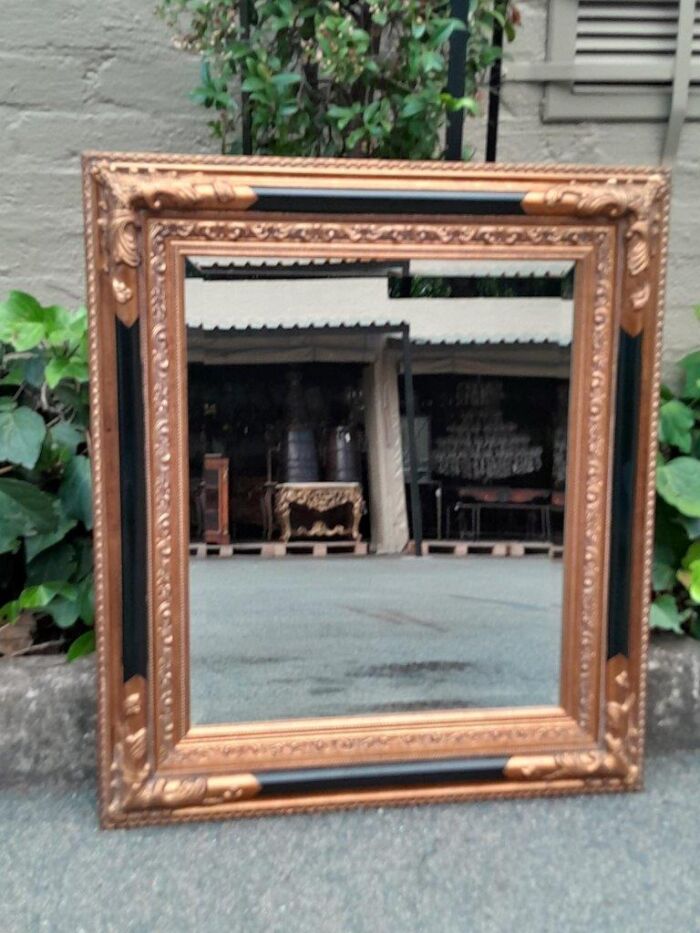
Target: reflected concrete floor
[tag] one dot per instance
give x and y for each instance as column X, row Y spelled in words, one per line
column 307, row 636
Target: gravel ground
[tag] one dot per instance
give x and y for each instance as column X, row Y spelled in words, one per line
column 610, row 863
column 305, row 636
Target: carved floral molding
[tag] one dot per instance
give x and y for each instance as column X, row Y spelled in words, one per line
column 124, row 195
column 359, row 233
column 619, row 757
column 134, row 786
column 641, row 205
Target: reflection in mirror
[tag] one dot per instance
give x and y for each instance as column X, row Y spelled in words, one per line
column 342, row 415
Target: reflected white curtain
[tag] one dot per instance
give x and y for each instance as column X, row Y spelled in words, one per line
column 388, row 513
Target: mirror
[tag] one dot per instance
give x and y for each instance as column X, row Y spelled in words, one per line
column 377, row 475
column 373, row 479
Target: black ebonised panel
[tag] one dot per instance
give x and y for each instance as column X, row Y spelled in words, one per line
column 351, row 201
column 132, row 486
column 629, row 368
column 396, row 774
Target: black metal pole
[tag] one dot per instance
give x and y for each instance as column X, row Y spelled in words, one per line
column 494, row 96
column 416, row 516
column 456, row 77
column 246, row 134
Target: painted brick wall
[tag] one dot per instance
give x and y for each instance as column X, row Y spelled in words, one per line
column 76, row 75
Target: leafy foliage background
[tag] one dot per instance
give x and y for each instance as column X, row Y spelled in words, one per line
column 45, row 487
column 676, row 570
column 332, row 78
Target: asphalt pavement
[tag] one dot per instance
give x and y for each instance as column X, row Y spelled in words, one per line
column 620, row 863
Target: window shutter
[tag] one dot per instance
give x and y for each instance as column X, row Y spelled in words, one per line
column 631, row 36
column 624, row 57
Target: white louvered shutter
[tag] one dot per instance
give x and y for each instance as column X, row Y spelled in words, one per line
column 624, row 53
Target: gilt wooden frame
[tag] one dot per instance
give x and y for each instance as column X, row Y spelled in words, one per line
column 143, row 214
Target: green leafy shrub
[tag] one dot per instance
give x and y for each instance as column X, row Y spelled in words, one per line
column 323, row 77
column 45, row 492
column 676, row 569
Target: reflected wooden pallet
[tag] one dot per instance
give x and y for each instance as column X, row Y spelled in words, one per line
column 490, row 548
column 203, row 551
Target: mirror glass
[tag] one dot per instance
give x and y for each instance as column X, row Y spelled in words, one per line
column 340, row 411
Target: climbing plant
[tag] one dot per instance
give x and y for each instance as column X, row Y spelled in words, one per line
column 45, row 492
column 676, row 569
column 335, row 77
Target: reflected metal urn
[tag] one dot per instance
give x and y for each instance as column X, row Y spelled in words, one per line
column 299, row 454
column 342, row 455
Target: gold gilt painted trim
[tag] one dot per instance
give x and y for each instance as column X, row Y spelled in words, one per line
column 134, row 785
column 618, row 758
column 642, row 208
column 123, row 195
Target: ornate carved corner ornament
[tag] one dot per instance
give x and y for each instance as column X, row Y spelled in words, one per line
column 641, row 205
column 616, row 761
column 124, row 195
column 135, row 787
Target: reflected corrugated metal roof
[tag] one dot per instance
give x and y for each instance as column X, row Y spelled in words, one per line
column 257, row 305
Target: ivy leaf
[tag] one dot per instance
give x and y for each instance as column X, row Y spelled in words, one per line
column 14, row 375
column 35, row 544
column 678, row 483
column 24, row 510
column 54, row 563
column 22, row 433
column 86, row 599
column 83, row 644
column 675, row 424
column 690, row 365
column 29, row 370
column 665, row 616
column 694, row 585
column 22, row 321
column 663, row 574
column 65, row 367
column 74, row 399
column 691, row 555
column 64, row 611
column 66, row 435
column 83, row 549
column 36, row 597
column 34, row 370
column 75, row 491
column 66, row 328
column 691, row 525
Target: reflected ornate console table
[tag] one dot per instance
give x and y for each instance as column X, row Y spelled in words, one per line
column 319, row 498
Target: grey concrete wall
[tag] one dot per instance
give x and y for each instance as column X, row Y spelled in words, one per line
column 76, row 75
